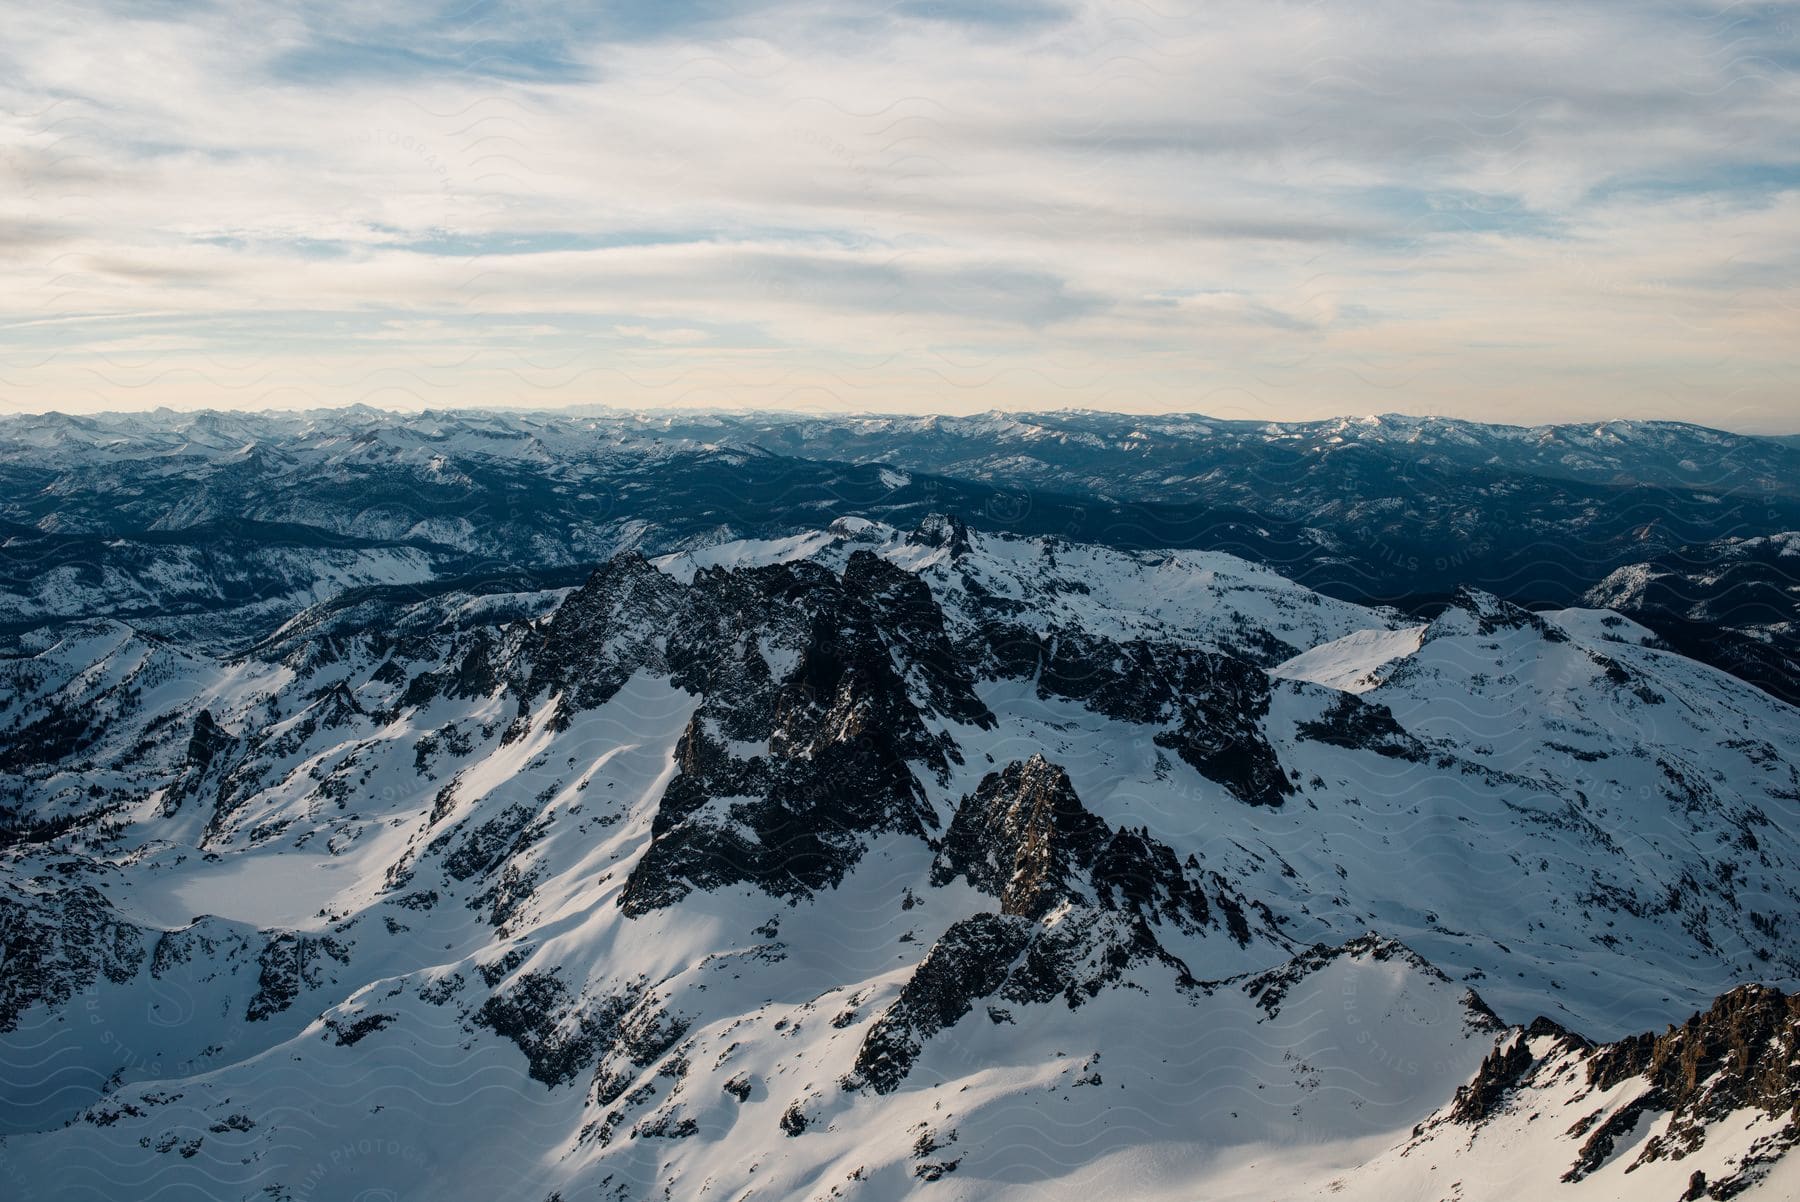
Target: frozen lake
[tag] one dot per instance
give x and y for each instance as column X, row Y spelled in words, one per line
column 267, row 889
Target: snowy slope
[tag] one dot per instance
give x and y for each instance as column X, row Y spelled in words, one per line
column 867, row 863
column 1353, row 663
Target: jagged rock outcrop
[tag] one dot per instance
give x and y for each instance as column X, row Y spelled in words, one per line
column 1357, row 724
column 1740, row 1055
column 1501, row 1070
column 562, row 1034
column 57, row 943
column 1010, row 958
column 1506, row 1068
column 1215, row 701
column 290, row 963
column 1079, row 907
column 970, row 960
column 1025, row 837
column 603, row 632
column 911, row 622
column 208, row 750
column 1743, row 1052
column 839, row 722
column 945, row 530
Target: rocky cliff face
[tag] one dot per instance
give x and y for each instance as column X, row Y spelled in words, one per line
column 1024, row 837
column 1741, row 1054
column 1080, row 904
column 786, row 768
column 1707, row 1109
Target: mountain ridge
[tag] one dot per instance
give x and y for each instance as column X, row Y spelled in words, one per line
column 735, row 852
column 1379, row 512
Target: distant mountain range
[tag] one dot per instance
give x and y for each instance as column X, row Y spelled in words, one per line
column 167, row 514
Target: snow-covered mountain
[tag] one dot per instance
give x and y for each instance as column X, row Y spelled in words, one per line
column 871, row 861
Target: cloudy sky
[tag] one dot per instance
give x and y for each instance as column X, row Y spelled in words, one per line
column 1509, row 211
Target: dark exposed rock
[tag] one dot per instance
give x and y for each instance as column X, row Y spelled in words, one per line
column 1741, row 1053
column 477, row 663
column 645, row 1032
column 496, row 971
column 1219, row 701
column 1222, row 701
column 602, row 633
column 1601, row 1141
column 842, row 727
column 1748, row 1032
column 439, row 992
column 1363, row 725
column 288, row 964
column 1216, row 700
column 944, row 530
column 1500, row 1071
column 207, row 751
column 1024, row 837
column 508, row 895
column 1543, row 1026
column 56, row 944
column 1081, row 954
column 531, row 1015
column 1138, row 873
column 935, row 1170
column 801, row 830
column 490, row 844
column 1129, row 681
column 1078, row 900
column 1000, row 649
column 348, row 1034
column 559, row 1035
column 970, row 961
column 666, row 1125
column 911, row 621
column 199, row 941
column 479, row 672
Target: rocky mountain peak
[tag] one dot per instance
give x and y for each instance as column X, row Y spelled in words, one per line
column 1024, row 836
column 1475, row 611
column 1688, row 1087
column 1743, row 1050
column 603, row 631
column 209, row 747
column 943, row 530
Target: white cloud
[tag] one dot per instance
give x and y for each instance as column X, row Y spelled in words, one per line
column 677, row 336
column 1525, row 211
